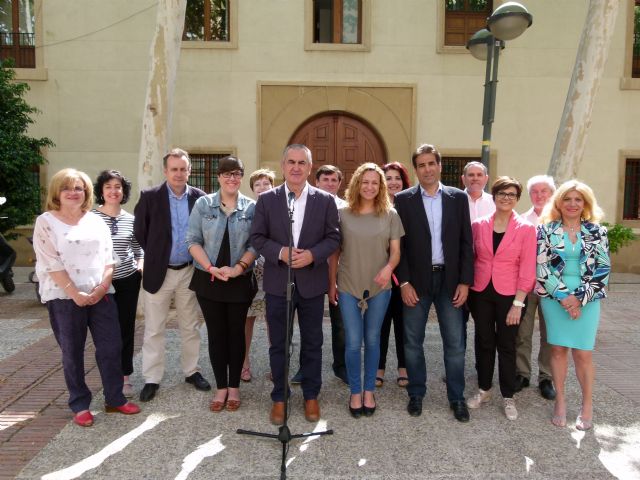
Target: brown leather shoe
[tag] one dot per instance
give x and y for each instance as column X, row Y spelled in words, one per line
column 277, row 413
column 311, row 410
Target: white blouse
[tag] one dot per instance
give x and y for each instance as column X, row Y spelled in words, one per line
column 83, row 250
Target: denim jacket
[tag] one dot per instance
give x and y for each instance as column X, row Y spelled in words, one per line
column 595, row 264
column 207, row 224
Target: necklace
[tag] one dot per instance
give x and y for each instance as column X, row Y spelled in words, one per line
column 571, row 228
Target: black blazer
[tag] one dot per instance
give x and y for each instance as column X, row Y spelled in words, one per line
column 457, row 240
column 152, row 228
column 320, row 234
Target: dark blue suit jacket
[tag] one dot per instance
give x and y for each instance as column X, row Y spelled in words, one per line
column 320, row 234
column 457, row 240
column 152, row 228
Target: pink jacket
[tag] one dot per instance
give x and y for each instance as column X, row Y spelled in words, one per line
column 513, row 267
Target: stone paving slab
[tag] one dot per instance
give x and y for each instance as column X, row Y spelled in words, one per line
column 177, row 437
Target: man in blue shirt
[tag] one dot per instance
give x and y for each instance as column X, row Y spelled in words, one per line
column 160, row 226
column 436, row 267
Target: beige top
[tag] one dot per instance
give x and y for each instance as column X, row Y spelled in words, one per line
column 365, row 250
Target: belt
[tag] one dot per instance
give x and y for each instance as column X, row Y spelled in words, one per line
column 437, row 268
column 179, row 267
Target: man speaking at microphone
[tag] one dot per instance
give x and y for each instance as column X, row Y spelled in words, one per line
column 316, row 236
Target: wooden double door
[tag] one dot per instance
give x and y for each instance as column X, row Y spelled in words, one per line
column 341, row 140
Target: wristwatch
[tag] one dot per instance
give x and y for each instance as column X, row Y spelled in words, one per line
column 518, row 303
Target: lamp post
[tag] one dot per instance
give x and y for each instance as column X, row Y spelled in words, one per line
column 507, row 22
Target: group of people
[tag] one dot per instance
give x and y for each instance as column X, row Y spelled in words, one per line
column 383, row 256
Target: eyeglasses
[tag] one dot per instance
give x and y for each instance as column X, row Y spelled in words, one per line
column 228, row 175
column 73, row 189
column 114, row 226
column 507, row 195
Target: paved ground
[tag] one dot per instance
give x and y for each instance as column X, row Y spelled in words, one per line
column 177, row 437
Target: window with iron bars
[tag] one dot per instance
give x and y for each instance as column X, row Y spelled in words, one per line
column 631, row 206
column 204, row 171
column 17, row 37
column 452, row 168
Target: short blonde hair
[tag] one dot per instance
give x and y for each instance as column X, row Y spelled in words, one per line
column 262, row 173
column 591, row 213
column 381, row 203
column 67, row 178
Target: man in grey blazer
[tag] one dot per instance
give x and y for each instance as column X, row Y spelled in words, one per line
column 436, row 267
column 316, row 236
column 160, row 226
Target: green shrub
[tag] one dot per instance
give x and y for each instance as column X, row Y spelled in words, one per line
column 19, row 153
column 619, row 236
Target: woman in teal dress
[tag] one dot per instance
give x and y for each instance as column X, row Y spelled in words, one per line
column 573, row 270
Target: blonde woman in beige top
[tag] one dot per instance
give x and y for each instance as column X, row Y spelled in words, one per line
column 361, row 285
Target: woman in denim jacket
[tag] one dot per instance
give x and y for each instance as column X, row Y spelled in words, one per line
column 218, row 240
column 572, row 272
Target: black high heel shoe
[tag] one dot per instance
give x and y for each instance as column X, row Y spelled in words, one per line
column 368, row 411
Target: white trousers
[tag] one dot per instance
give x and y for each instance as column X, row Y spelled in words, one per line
column 156, row 312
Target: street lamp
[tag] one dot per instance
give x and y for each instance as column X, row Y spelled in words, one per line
column 507, row 22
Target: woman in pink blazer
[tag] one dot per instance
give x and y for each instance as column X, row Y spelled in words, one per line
column 504, row 273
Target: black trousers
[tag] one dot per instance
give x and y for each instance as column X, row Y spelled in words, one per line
column 394, row 315
column 126, row 297
column 225, row 328
column 489, row 310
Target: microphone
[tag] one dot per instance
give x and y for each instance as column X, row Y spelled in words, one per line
column 290, row 199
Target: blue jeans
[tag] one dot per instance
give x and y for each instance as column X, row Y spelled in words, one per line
column 451, row 322
column 358, row 327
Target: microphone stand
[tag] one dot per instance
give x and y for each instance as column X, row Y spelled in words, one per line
column 284, row 435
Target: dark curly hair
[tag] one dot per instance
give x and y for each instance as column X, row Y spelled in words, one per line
column 106, row 175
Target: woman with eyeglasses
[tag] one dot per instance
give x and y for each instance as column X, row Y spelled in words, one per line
column 112, row 190
column 360, row 278
column 223, row 280
column 504, row 273
column 74, row 254
column 259, row 181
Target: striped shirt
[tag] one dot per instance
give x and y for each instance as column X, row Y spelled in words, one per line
column 125, row 245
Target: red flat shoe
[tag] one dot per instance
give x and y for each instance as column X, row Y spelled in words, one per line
column 216, row 406
column 233, row 405
column 84, row 419
column 128, row 408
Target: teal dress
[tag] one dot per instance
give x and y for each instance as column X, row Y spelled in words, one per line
column 562, row 330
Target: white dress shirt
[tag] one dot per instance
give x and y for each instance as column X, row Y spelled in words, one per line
column 299, row 205
column 480, row 207
column 532, row 217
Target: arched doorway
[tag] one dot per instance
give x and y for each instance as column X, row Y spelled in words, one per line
column 339, row 139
